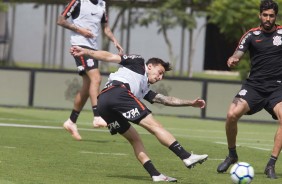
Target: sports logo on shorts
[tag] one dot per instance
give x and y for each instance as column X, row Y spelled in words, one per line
column 243, row 92
column 90, row 62
column 80, row 68
column 131, row 114
column 114, row 125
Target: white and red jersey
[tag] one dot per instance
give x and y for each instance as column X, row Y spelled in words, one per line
column 86, row 14
column 133, row 72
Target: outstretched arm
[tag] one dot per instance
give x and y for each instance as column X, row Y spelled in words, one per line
column 97, row 54
column 110, row 35
column 173, row 101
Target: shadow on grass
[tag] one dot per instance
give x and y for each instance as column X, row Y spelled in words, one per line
column 131, row 177
column 95, row 140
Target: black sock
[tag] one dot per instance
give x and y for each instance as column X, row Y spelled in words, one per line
column 179, row 150
column 233, row 152
column 95, row 111
column 74, row 115
column 150, row 168
column 272, row 160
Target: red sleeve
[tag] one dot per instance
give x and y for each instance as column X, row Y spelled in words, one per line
column 70, row 8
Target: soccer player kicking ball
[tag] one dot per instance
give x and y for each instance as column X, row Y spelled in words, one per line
column 119, row 102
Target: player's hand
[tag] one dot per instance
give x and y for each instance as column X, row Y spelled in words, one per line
column 77, row 51
column 120, row 49
column 198, row 103
column 232, row 61
column 85, row 32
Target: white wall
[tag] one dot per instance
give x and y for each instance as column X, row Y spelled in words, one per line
column 29, row 35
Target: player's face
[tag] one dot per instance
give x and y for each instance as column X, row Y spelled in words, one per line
column 267, row 19
column 155, row 73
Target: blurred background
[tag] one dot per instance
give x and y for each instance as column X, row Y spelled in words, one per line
column 196, row 36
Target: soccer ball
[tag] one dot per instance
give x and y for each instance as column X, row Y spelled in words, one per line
column 242, row 173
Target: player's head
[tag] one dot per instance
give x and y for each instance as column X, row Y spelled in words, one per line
column 156, row 69
column 268, row 4
column 268, row 14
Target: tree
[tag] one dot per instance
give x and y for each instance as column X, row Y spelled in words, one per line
column 233, row 19
column 167, row 16
column 3, row 6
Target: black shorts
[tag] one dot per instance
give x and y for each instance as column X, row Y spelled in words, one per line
column 85, row 63
column 258, row 100
column 117, row 105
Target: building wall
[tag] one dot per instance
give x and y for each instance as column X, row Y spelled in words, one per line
column 29, row 37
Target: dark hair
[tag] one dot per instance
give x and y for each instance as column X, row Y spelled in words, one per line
column 156, row 61
column 268, row 4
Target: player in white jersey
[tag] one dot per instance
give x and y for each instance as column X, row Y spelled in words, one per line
column 87, row 16
column 119, row 103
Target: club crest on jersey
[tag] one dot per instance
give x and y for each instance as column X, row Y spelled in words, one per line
column 277, row 40
column 90, row 62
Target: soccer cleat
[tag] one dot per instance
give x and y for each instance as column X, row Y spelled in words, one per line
column 226, row 164
column 270, row 172
column 191, row 161
column 99, row 122
column 162, row 177
column 72, row 129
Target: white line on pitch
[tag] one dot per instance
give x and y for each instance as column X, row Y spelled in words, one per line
column 264, row 149
column 105, row 130
column 100, row 153
column 8, row 147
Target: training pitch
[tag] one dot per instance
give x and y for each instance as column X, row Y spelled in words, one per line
column 35, row 149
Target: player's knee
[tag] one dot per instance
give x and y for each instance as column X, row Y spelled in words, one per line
column 96, row 81
column 232, row 116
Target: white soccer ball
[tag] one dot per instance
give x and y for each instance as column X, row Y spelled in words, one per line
column 242, row 173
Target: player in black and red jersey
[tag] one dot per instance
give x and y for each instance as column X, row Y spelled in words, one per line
column 263, row 88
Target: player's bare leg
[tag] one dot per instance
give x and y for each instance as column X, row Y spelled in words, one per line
column 79, row 102
column 270, row 167
column 168, row 140
column 134, row 139
column 236, row 110
column 94, row 88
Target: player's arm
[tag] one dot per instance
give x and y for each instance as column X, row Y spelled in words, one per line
column 235, row 58
column 73, row 9
column 174, row 101
column 98, row 54
column 110, row 35
column 62, row 21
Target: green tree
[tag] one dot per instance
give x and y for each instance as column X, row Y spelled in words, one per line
column 168, row 15
column 233, row 19
column 3, row 6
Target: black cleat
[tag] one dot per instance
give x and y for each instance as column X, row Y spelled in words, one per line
column 270, row 172
column 226, row 164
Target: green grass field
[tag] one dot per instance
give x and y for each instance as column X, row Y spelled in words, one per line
column 44, row 153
